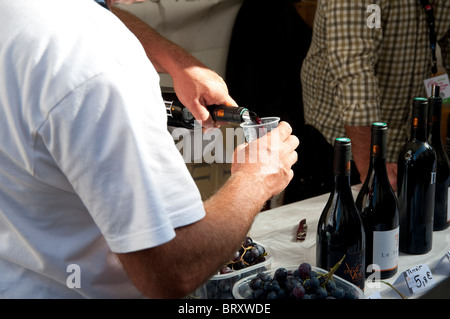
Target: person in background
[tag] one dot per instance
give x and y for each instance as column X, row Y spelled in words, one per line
column 95, row 199
column 357, row 73
column 268, row 43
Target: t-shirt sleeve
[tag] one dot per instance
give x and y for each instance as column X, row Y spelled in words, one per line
column 110, row 139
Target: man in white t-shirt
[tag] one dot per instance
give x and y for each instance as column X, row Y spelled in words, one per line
column 95, row 199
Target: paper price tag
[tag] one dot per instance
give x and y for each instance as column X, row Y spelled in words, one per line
column 419, row 278
column 443, row 82
column 443, row 266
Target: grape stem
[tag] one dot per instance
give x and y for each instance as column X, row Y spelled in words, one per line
column 401, row 295
column 332, row 271
column 241, row 258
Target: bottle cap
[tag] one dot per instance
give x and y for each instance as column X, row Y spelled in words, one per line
column 436, row 91
column 379, row 139
column 420, row 111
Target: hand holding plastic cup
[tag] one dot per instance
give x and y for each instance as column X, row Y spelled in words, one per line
column 253, row 131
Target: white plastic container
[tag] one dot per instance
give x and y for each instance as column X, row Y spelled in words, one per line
column 241, row 288
column 220, row 286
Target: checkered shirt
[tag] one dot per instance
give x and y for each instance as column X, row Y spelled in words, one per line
column 356, row 75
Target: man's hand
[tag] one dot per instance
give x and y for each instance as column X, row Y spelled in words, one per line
column 268, row 160
column 198, row 87
column 195, row 84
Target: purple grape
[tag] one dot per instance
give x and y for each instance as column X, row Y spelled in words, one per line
column 256, row 283
column 238, row 265
column 311, row 284
column 225, row 270
column 247, row 242
column 264, row 276
column 304, row 270
column 236, row 256
column 338, row 293
column 298, row 292
column 255, row 252
column 321, row 293
column 280, row 274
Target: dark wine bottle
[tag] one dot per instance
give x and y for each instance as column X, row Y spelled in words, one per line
column 340, row 230
column 441, row 210
column 416, row 184
column 377, row 203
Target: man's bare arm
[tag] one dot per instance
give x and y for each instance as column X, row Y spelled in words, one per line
column 178, row 267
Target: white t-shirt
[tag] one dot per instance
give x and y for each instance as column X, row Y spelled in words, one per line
column 87, row 165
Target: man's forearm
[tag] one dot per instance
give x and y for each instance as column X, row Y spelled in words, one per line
column 198, row 250
column 165, row 55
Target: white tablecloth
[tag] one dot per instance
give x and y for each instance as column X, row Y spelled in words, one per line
column 276, row 229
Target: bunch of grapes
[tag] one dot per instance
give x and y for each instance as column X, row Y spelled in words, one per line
column 249, row 254
column 301, row 283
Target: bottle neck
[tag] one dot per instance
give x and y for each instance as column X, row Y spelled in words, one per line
column 342, row 164
column 377, row 167
column 435, row 105
column 342, row 183
column 378, row 156
column 378, row 148
column 419, row 120
column 419, row 131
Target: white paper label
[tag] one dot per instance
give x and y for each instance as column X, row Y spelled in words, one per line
column 419, row 278
column 375, row 295
column 385, row 249
column 443, row 82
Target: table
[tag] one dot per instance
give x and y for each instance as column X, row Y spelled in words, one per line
column 276, row 228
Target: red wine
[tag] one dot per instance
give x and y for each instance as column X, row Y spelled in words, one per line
column 377, row 203
column 255, row 118
column 340, row 230
column 441, row 209
column 416, row 182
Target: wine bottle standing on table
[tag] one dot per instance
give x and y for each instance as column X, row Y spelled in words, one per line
column 416, row 182
column 377, row 204
column 340, row 231
column 441, row 209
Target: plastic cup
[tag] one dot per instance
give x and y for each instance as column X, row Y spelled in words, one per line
column 253, row 131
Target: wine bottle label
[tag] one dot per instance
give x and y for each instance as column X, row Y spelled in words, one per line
column 352, row 268
column 385, row 249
